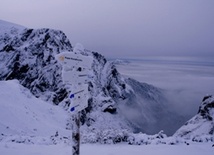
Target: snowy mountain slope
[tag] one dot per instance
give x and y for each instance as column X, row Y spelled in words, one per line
column 29, row 56
column 6, row 27
column 29, row 120
column 200, row 127
column 24, row 115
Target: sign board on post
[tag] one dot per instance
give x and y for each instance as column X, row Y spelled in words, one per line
column 79, row 99
column 74, row 60
column 75, row 73
column 75, row 67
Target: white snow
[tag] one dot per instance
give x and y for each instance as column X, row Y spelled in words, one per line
column 7, row 26
column 95, row 149
column 23, row 114
column 78, row 48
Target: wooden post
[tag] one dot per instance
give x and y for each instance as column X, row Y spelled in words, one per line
column 76, row 134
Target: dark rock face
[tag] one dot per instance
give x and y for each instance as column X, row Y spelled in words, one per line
column 110, row 109
column 204, row 109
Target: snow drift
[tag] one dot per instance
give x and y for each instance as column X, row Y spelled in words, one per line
column 27, row 119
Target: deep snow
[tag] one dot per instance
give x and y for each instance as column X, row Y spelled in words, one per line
column 95, row 149
column 7, row 26
column 22, row 114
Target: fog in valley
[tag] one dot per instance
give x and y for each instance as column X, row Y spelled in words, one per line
column 185, row 81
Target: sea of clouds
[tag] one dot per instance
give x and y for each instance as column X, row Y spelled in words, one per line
column 186, row 80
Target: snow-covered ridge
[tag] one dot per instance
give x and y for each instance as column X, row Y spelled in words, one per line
column 200, row 127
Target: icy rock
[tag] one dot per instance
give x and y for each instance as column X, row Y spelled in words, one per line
column 110, row 109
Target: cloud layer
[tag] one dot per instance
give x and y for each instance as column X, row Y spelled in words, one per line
column 186, row 80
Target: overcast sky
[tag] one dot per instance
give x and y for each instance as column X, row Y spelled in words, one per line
column 122, row 28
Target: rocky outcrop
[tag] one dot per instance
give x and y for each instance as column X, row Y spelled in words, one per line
column 29, row 57
column 201, row 127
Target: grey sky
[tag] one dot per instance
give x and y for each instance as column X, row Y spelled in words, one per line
column 123, row 28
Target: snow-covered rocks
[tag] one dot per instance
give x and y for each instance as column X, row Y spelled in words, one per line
column 30, row 59
column 201, row 127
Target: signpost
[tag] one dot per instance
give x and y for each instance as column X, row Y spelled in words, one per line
column 75, row 74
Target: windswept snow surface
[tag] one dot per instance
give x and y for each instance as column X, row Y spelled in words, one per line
column 89, row 149
column 22, row 114
column 7, row 26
